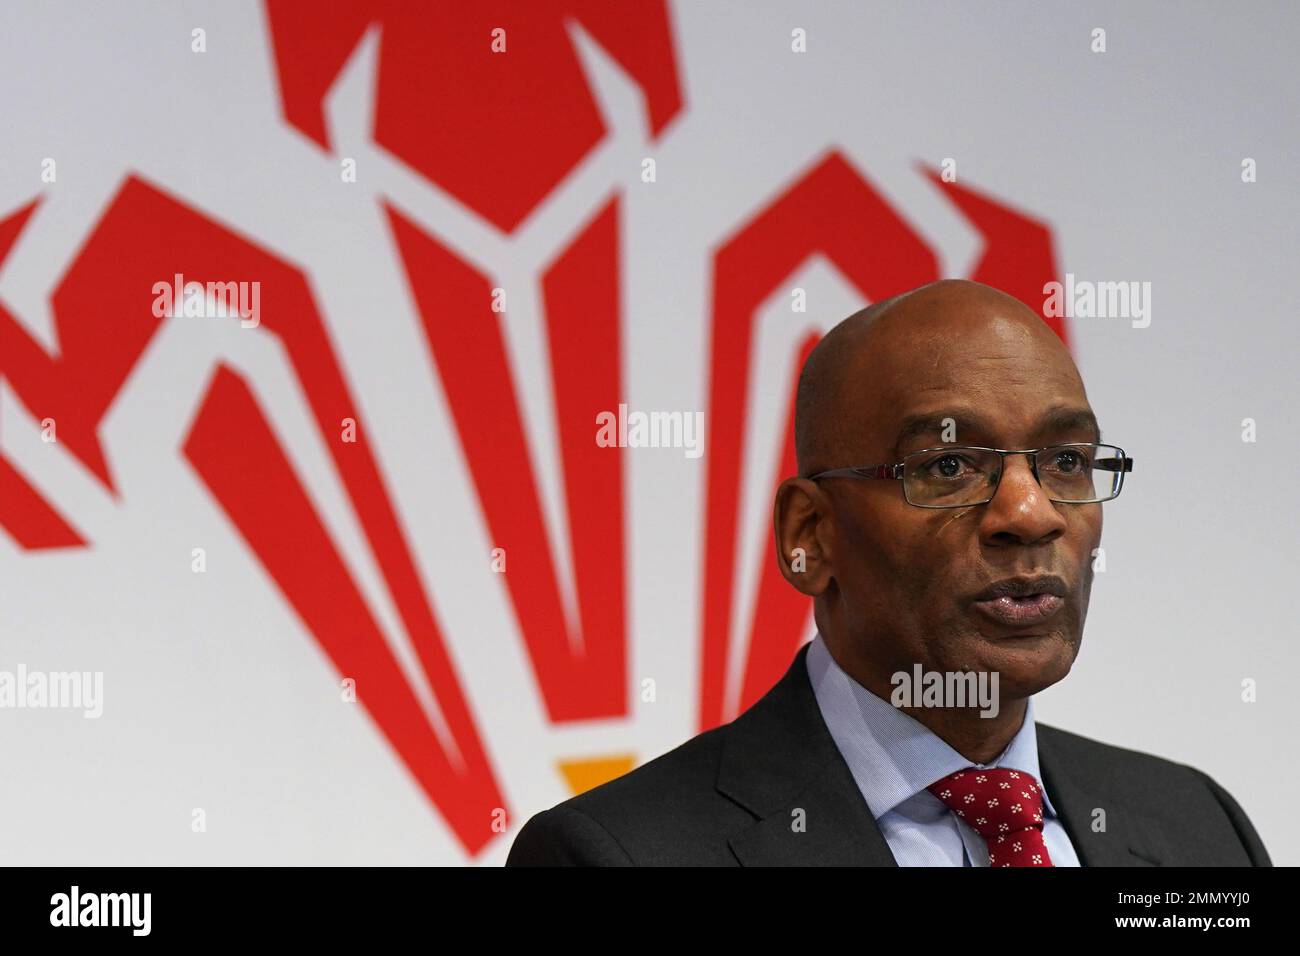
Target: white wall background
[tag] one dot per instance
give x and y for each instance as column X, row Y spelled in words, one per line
column 216, row 697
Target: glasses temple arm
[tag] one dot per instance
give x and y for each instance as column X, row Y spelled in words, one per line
column 1114, row 464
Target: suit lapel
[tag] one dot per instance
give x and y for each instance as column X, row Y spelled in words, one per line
column 1131, row 836
column 826, row 824
column 781, row 764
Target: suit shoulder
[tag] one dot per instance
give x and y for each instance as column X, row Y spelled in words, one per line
column 683, row 773
column 665, row 812
column 1154, row 782
column 1103, row 762
column 564, row 836
column 1097, row 755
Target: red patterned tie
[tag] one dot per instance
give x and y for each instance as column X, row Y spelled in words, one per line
column 1003, row 806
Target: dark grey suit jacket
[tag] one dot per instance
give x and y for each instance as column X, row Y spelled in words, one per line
column 729, row 795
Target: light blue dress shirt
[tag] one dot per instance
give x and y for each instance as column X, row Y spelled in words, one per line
column 894, row 757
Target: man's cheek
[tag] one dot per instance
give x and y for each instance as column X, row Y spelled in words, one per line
column 919, row 583
column 942, row 521
column 1089, row 532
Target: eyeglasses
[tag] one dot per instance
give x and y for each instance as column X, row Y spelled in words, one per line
column 960, row 476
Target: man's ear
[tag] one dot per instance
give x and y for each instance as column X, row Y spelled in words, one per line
column 801, row 520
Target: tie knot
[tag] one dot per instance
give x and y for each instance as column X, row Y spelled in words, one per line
column 998, row 803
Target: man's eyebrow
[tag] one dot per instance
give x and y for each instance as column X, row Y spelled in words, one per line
column 927, row 422
column 1058, row 419
column 1064, row 419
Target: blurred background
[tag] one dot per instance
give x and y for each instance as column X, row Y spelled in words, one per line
column 359, row 583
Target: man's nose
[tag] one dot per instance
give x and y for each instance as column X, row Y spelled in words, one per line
column 1020, row 512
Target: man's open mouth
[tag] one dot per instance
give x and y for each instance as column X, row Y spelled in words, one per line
column 1019, row 610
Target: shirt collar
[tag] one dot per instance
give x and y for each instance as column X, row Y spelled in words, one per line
column 892, row 755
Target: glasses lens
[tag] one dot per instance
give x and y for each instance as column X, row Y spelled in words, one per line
column 953, row 477
column 1081, row 472
column 950, row 477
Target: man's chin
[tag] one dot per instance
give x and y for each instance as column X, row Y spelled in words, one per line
column 1028, row 660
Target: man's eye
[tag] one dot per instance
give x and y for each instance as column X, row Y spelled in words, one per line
column 949, row 466
column 1070, row 461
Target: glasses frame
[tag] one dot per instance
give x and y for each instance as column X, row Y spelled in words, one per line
column 896, row 472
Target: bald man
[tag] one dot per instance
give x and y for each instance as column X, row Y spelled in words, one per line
column 948, row 506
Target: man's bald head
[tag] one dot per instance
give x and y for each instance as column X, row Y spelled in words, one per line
column 895, row 338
